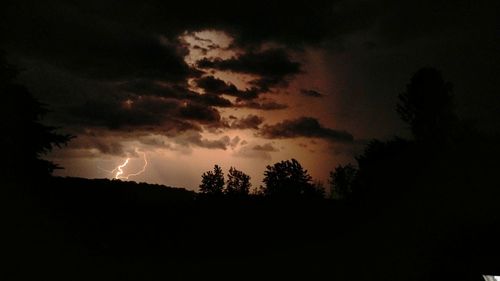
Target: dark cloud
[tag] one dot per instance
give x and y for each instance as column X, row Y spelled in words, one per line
column 247, row 152
column 154, row 142
column 265, row 147
column 131, row 50
column 234, row 142
column 151, row 87
column 103, row 145
column 268, row 63
column 258, row 151
column 213, row 100
column 203, row 51
column 304, row 127
column 200, row 113
column 265, row 84
column 178, row 91
column 273, row 66
column 112, row 142
column 262, row 105
column 303, row 21
column 92, row 142
column 92, row 45
column 115, row 114
column 154, row 114
column 215, row 86
column 195, row 138
column 294, row 24
column 248, row 122
column 311, row 93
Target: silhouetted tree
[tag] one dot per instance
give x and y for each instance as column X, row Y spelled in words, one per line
column 24, row 139
column 387, row 169
column 427, row 106
column 341, row 181
column 289, row 180
column 212, row 182
column 238, row 183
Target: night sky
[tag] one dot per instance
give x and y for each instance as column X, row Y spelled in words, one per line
column 178, row 87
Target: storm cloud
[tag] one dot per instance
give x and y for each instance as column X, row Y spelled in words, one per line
column 269, row 63
column 123, row 68
column 153, row 114
column 273, row 66
column 265, row 147
column 215, row 86
column 262, row 105
column 248, row 122
column 311, row 93
column 304, row 127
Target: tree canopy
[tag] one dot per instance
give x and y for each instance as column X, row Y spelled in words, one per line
column 427, row 106
column 238, row 183
column 212, row 182
column 288, row 179
column 24, row 138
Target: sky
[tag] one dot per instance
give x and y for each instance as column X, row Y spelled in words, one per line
column 169, row 89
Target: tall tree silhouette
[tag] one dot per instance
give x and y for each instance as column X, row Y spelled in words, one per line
column 212, row 182
column 386, row 169
column 24, row 138
column 287, row 179
column 238, row 183
column 341, row 181
column 427, row 106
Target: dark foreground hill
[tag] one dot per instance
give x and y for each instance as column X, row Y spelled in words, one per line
column 79, row 229
column 83, row 229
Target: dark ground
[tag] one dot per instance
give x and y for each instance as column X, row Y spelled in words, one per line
column 78, row 229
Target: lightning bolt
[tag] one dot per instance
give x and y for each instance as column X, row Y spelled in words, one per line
column 119, row 169
column 119, row 173
column 134, row 174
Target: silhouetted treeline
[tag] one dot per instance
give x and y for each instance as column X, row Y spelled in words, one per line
column 283, row 180
column 386, row 169
column 437, row 193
